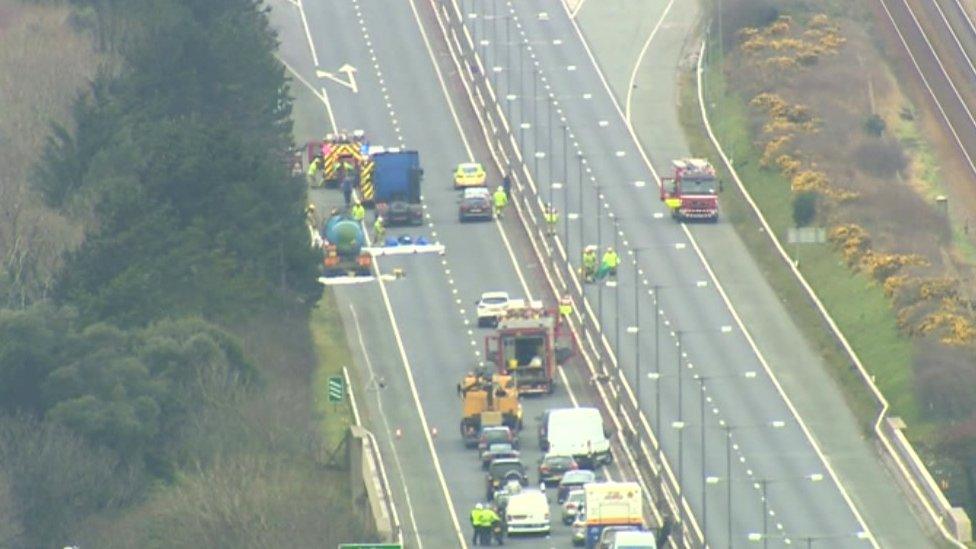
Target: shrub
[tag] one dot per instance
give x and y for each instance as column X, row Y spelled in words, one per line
column 804, row 208
column 875, row 125
column 741, row 14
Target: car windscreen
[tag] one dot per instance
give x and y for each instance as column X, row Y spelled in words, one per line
column 578, row 477
column 494, row 300
column 559, row 461
column 698, row 186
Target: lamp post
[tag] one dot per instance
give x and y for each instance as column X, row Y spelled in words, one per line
column 704, row 453
column 521, row 72
column 637, row 362
column 522, row 127
column 616, row 294
column 763, row 485
column 680, row 427
column 635, row 331
column 777, row 424
column 579, row 157
column 535, row 112
column 599, row 246
column 565, row 190
column 535, row 165
column 657, row 366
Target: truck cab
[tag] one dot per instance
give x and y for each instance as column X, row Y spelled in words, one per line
column 528, row 344
column 692, row 190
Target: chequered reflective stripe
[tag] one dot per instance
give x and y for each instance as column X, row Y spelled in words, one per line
column 366, row 182
column 329, row 164
column 337, row 152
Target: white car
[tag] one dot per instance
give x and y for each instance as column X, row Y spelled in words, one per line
column 491, row 307
column 527, row 513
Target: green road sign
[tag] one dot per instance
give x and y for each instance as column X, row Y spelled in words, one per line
column 370, row 546
column 336, row 388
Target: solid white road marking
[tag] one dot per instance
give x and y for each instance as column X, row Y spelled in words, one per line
column 348, row 70
column 386, row 425
column 405, row 362
column 321, row 95
column 308, row 33
column 640, row 57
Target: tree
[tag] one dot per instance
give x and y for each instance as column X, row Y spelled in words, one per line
column 804, row 208
column 32, row 345
column 56, row 479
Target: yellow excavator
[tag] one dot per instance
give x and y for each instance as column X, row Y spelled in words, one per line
column 488, row 400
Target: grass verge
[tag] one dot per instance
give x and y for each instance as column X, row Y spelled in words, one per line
column 858, row 305
column 332, row 353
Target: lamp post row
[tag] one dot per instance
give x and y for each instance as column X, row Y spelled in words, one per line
column 635, row 329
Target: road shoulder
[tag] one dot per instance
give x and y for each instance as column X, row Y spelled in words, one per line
column 797, row 365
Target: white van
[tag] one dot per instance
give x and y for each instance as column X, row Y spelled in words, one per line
column 578, row 432
column 527, row 513
column 633, row 540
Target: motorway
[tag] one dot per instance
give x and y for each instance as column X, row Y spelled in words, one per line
column 715, row 347
column 414, row 337
column 940, row 40
column 417, row 332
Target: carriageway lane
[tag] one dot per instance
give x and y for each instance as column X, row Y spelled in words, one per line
column 476, row 256
column 419, row 479
column 382, row 389
column 798, row 366
column 432, row 347
column 784, row 454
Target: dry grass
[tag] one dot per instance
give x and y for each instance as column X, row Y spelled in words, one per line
column 801, row 111
column 44, row 63
column 907, row 300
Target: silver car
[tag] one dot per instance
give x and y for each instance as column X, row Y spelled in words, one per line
column 573, row 506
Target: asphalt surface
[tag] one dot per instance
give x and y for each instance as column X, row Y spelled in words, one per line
column 616, row 36
column 400, row 103
column 714, row 344
column 940, row 42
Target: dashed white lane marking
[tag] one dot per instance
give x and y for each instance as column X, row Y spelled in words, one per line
column 618, row 154
column 371, row 52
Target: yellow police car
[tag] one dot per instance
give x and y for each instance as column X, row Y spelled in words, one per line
column 469, row 174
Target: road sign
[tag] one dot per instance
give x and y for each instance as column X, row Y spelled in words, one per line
column 336, row 388
column 370, row 546
column 806, row 235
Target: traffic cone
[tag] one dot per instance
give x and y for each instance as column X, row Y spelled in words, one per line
column 398, row 433
column 433, row 432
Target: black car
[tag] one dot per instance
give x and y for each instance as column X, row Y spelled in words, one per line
column 574, row 480
column 500, row 450
column 496, row 435
column 552, row 467
column 500, row 472
column 475, row 204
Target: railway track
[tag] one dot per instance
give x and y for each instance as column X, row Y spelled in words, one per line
column 940, row 40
